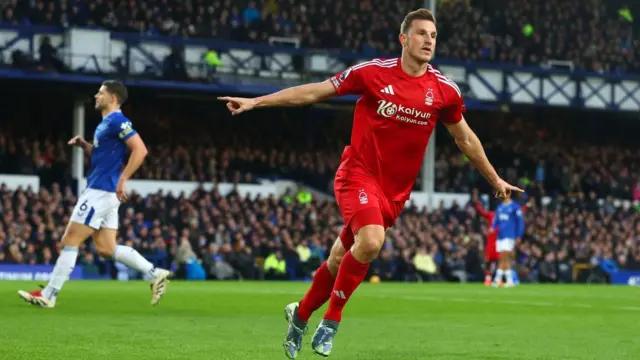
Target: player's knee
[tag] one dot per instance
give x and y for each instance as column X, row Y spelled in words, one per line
column 75, row 235
column 335, row 257
column 105, row 242
column 333, row 263
column 368, row 243
column 105, row 251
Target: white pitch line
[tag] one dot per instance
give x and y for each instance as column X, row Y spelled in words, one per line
column 449, row 299
column 509, row 302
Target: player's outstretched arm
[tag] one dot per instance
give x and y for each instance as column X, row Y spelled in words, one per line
column 471, row 146
column 79, row 141
column 293, row 96
column 482, row 211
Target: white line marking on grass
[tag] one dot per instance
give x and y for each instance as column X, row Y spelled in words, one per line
column 509, row 302
column 390, row 295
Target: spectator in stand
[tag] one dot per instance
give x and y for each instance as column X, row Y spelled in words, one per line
column 275, row 267
column 547, row 271
column 426, row 268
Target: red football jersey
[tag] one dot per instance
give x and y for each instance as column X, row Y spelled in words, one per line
column 394, row 119
column 486, row 214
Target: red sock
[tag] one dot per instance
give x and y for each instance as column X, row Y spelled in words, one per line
column 318, row 294
column 487, row 268
column 350, row 275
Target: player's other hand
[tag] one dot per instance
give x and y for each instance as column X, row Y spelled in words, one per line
column 121, row 190
column 238, row 105
column 77, row 140
column 504, row 189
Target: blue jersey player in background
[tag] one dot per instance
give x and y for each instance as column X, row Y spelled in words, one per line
column 509, row 224
column 96, row 213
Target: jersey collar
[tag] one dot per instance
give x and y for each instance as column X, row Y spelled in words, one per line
column 111, row 113
column 399, row 68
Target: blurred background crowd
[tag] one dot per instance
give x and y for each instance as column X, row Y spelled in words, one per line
column 591, row 34
column 575, row 166
column 282, row 238
column 575, row 177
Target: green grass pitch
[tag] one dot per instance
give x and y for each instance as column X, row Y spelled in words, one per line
column 244, row 320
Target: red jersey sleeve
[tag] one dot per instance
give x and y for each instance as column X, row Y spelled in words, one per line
column 484, row 213
column 351, row 81
column 453, row 102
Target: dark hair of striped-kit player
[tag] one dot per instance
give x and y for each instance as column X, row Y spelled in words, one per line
column 420, row 14
column 118, row 89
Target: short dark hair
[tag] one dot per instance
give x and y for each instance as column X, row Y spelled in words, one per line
column 420, row 14
column 118, row 89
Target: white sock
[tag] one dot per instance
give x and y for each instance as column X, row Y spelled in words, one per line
column 499, row 275
column 61, row 271
column 130, row 257
column 509, row 275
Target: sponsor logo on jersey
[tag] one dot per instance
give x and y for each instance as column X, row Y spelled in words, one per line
column 402, row 113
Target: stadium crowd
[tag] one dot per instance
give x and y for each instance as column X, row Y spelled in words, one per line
column 281, row 238
column 271, row 237
column 572, row 162
column 584, row 153
column 521, row 32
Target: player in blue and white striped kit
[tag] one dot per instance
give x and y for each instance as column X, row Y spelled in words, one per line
column 96, row 213
column 509, row 224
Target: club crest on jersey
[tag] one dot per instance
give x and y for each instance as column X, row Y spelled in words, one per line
column 362, row 197
column 429, row 97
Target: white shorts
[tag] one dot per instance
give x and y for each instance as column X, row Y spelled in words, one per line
column 506, row 244
column 97, row 209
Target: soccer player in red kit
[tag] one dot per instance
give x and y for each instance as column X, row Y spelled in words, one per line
column 491, row 255
column 401, row 101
